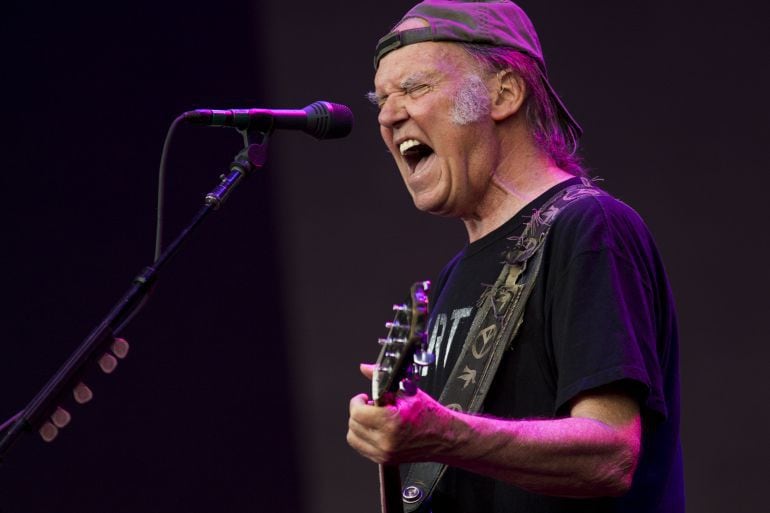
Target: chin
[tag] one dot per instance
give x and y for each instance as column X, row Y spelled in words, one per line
column 432, row 207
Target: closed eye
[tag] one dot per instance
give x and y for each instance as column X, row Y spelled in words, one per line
column 413, row 91
column 417, row 90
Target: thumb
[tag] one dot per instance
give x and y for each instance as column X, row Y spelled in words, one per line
column 367, row 369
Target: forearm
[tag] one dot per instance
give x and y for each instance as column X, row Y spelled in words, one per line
column 591, row 453
column 573, row 456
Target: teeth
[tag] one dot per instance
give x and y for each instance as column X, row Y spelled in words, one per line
column 406, row 145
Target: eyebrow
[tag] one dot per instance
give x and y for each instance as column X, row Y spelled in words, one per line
column 373, row 98
column 416, row 78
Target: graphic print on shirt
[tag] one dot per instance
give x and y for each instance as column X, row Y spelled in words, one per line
column 440, row 345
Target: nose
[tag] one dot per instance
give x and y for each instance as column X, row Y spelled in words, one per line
column 393, row 112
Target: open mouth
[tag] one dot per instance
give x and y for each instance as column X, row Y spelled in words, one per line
column 414, row 152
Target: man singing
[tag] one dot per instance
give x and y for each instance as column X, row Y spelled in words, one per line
column 582, row 414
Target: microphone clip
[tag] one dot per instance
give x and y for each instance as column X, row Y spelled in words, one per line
column 251, row 158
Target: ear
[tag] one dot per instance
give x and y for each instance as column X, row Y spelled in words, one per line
column 509, row 96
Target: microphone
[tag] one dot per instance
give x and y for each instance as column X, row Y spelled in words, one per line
column 322, row 120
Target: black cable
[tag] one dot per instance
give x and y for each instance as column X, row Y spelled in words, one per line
column 159, row 215
column 162, row 188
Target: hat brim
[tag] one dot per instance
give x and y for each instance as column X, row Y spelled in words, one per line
column 398, row 39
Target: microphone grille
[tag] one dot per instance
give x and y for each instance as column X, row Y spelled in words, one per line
column 327, row 120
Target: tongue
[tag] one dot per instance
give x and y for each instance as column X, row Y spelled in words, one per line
column 422, row 163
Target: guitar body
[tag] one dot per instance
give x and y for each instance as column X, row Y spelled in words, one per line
column 403, row 352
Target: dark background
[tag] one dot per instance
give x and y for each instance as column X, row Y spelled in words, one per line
column 234, row 395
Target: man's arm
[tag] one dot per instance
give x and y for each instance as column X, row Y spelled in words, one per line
column 591, row 453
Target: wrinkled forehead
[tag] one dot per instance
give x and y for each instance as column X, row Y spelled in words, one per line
column 397, row 63
column 421, row 62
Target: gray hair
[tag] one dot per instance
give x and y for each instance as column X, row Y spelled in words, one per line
column 471, row 101
column 551, row 135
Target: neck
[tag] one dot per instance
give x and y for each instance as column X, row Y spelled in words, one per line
column 522, row 175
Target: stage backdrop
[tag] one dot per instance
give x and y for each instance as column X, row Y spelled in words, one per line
column 234, row 395
column 198, row 417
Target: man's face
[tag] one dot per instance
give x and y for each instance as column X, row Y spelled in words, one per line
column 434, row 120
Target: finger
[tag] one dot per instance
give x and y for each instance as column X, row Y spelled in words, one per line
column 48, row 432
column 364, row 434
column 364, row 440
column 367, row 369
column 371, row 444
column 359, row 400
column 108, row 363
column 361, row 447
column 61, row 417
column 82, row 393
column 372, row 417
column 360, row 407
column 120, row 348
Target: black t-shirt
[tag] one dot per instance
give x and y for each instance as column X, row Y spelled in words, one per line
column 600, row 312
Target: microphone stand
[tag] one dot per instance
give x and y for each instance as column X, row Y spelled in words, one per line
column 251, row 158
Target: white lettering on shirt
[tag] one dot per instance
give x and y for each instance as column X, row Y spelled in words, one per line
column 436, row 343
column 457, row 316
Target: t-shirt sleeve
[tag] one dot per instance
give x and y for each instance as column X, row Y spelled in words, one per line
column 602, row 312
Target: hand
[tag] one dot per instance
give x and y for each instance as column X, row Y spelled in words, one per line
column 415, row 428
column 82, row 393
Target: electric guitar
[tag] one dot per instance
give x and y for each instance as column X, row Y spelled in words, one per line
column 404, row 351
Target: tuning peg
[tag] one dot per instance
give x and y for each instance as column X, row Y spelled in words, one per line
column 390, row 340
column 424, row 358
column 400, row 308
column 395, row 325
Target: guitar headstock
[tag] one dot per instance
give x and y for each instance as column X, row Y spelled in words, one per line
column 404, row 349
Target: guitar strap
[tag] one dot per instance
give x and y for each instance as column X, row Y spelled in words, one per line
column 498, row 318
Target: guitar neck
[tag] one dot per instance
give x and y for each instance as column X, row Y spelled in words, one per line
column 390, row 489
column 390, row 482
column 403, row 351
